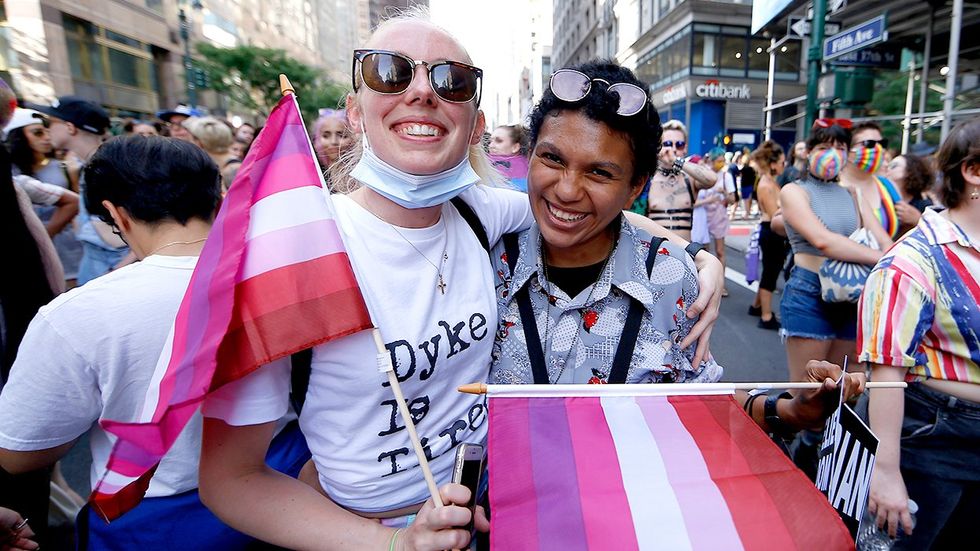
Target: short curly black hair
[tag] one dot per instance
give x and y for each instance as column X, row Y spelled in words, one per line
column 643, row 130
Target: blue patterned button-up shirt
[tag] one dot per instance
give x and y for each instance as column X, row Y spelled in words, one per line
column 580, row 334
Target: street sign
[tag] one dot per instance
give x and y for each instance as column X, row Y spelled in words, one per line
column 800, row 27
column 882, row 56
column 870, row 32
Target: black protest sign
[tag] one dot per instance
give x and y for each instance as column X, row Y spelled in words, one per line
column 847, row 457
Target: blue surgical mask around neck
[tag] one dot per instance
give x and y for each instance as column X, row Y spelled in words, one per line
column 412, row 191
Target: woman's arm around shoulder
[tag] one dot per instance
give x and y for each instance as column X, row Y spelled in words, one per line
column 711, row 280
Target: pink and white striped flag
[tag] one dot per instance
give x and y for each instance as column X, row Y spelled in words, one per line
column 272, row 279
column 646, row 472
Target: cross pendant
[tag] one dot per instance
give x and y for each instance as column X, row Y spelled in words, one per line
column 441, row 285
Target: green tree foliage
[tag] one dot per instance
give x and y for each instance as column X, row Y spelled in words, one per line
column 249, row 76
column 889, row 99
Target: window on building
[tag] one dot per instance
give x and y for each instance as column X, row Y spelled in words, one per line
column 788, row 60
column 733, row 55
column 705, row 60
column 758, row 58
column 99, row 56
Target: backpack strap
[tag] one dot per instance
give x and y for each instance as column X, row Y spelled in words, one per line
column 631, row 329
column 299, row 377
column 472, row 221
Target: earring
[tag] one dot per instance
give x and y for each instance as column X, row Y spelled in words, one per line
column 975, row 194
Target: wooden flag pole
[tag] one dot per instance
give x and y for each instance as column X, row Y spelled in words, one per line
column 634, row 390
column 384, row 364
column 285, row 86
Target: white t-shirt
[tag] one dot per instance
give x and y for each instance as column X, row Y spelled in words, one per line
column 90, row 354
column 437, row 342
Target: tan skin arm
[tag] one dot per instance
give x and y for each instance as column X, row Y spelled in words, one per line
column 797, row 213
column 808, row 409
column 65, row 211
column 888, row 499
column 234, row 479
column 19, row 462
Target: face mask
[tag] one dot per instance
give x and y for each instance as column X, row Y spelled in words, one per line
column 412, row 191
column 827, row 164
column 868, row 159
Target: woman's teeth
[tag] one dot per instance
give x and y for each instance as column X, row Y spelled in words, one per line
column 419, row 130
column 564, row 216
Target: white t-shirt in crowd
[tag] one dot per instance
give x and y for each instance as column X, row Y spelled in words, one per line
column 90, row 354
column 437, row 342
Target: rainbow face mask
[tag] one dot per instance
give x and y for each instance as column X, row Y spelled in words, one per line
column 868, row 159
column 827, row 164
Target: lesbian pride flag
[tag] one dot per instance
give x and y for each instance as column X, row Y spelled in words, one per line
column 272, row 279
column 647, row 472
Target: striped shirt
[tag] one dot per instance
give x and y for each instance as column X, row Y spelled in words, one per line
column 920, row 304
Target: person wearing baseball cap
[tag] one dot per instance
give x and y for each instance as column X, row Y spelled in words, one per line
column 77, row 112
column 174, row 119
column 79, row 126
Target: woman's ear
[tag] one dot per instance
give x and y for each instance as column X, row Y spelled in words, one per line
column 353, row 112
column 478, row 128
column 971, row 173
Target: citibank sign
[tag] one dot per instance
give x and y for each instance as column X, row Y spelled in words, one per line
column 719, row 90
column 674, row 93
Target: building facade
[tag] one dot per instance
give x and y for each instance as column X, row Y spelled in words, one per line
column 698, row 58
column 128, row 54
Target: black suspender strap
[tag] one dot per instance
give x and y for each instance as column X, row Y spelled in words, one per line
column 523, row 297
column 473, row 221
column 631, row 329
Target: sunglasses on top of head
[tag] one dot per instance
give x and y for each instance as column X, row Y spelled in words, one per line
column 827, row 123
column 571, row 86
column 392, row 73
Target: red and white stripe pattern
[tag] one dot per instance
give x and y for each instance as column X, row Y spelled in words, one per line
column 647, row 472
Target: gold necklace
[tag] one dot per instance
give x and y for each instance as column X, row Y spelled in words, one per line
column 172, row 243
column 441, row 283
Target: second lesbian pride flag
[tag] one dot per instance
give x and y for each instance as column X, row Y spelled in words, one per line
column 647, row 472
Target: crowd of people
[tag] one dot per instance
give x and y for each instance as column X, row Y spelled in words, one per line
column 571, row 251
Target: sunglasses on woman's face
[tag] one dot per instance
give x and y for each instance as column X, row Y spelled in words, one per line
column 679, row 144
column 571, row 86
column 392, row 73
column 870, row 144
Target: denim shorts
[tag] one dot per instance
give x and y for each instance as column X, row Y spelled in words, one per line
column 804, row 314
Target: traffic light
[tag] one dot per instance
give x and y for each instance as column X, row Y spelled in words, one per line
column 201, row 78
column 727, row 140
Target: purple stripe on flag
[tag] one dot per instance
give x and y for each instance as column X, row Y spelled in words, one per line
column 709, row 523
column 605, row 507
column 289, row 246
column 217, row 269
column 513, row 500
column 555, row 476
